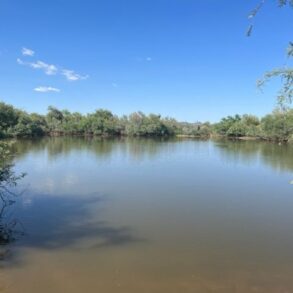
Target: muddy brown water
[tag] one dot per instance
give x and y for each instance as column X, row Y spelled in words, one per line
column 155, row 216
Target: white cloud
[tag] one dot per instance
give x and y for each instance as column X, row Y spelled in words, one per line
column 45, row 89
column 72, row 76
column 27, row 52
column 49, row 69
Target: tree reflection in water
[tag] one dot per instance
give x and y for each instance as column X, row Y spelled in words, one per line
column 10, row 227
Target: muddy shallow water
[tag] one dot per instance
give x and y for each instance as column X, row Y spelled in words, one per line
column 144, row 215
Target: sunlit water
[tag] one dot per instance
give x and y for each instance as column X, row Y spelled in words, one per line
column 154, row 216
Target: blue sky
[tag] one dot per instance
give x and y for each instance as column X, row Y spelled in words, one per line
column 189, row 59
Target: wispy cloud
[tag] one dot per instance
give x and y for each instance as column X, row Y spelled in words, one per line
column 45, row 89
column 114, row 84
column 48, row 69
column 144, row 59
column 73, row 76
column 27, row 52
column 20, row 62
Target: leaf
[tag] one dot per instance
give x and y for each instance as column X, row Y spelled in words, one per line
column 254, row 12
column 249, row 30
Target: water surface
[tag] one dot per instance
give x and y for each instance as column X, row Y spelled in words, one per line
column 144, row 215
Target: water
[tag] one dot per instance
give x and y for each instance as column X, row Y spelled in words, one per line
column 143, row 215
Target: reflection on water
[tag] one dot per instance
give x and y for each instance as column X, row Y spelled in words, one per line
column 66, row 221
column 11, row 228
column 102, row 147
column 143, row 215
column 276, row 156
column 279, row 157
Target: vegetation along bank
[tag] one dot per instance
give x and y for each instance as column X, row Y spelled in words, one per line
column 276, row 126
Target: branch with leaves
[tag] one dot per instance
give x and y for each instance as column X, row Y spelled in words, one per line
column 285, row 94
column 7, row 176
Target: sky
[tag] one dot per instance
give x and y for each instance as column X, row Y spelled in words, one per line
column 188, row 59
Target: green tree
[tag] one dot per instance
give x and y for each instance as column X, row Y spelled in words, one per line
column 103, row 122
column 237, row 129
column 226, row 123
column 29, row 125
column 8, row 118
column 54, row 119
column 278, row 126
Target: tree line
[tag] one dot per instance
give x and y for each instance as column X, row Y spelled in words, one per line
column 18, row 123
column 276, row 126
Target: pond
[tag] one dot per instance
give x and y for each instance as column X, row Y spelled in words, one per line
column 151, row 215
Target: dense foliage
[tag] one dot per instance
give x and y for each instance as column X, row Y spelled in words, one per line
column 277, row 126
column 239, row 126
column 17, row 123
